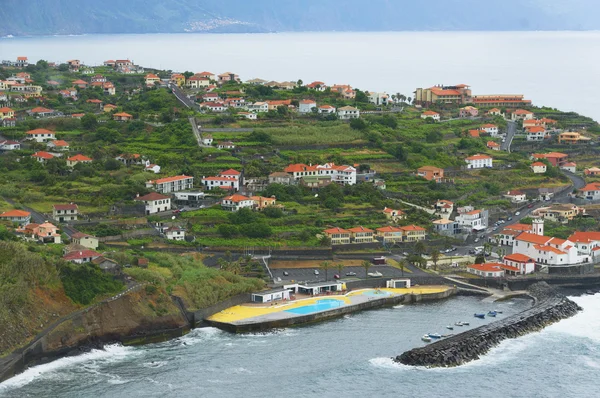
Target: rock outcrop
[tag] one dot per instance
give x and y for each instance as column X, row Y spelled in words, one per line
column 550, row 307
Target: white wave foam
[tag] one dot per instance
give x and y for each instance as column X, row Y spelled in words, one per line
column 399, row 306
column 154, row 364
column 110, row 354
column 586, row 324
column 241, row 370
column 389, row 364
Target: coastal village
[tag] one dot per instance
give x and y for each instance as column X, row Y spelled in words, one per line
column 301, row 188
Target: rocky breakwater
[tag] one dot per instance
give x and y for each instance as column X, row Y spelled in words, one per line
column 550, row 307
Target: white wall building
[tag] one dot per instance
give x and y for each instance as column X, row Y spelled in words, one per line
column 348, row 112
column 236, row 202
column 306, row 106
column 479, row 161
column 171, row 184
column 175, row 233
column 491, row 129
column 474, row 220
column 155, row 202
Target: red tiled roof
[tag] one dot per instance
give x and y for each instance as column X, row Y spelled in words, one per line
column 171, row 179
column 79, row 235
column 6, row 109
column 42, row 155
column 584, row 237
column 236, row 198
column 519, row 258
column 478, row 157
column 70, row 206
column 152, row 196
column 441, row 92
column 412, row 228
column 336, row 230
column 95, row 101
column 488, row 267
column 591, row 187
column 15, row 213
column 509, row 268
column 122, row 114
column 79, row 158
column 152, row 76
column 41, row 109
column 548, row 249
column 522, row 112
column 533, row 238
column 540, row 164
column 360, row 229
column 550, row 155
column 431, row 113
column 295, row 168
column 535, row 129
column 81, row 254
column 389, row 229
column 492, row 144
column 231, row 172
column 60, row 143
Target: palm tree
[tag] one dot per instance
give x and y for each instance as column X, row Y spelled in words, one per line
column 403, row 263
column 325, row 265
column 340, row 267
column 419, row 248
column 366, row 265
column 435, row 257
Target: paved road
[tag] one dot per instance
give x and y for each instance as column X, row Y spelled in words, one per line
column 308, row 274
column 511, row 130
column 39, row 218
column 180, row 95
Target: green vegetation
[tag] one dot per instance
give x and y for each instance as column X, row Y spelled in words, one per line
column 84, row 282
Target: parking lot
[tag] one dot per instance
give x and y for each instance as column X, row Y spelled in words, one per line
column 308, row 274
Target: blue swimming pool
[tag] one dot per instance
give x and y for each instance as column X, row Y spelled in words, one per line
column 321, row 305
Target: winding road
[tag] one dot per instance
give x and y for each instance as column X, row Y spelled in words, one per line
column 511, row 130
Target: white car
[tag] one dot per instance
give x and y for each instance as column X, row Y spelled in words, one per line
column 375, row 274
column 316, row 272
column 518, row 213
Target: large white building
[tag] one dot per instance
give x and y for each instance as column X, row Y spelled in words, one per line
column 306, row 106
column 473, row 220
column 236, row 202
column 155, row 202
column 345, row 175
column 228, row 180
column 171, row 184
column 348, row 112
column 479, row 161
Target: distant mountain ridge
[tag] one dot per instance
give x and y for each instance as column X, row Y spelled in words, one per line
column 56, row 17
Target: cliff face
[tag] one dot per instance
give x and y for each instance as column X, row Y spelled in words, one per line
column 44, row 17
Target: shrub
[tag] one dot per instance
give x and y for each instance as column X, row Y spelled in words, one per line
column 83, row 283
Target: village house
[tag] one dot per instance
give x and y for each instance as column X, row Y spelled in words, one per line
column 571, row 137
column 40, row 111
column 85, row 240
column 570, row 167
column 521, row 114
column 536, row 133
column 506, row 237
column 178, row 79
column 151, row 79
column 379, row 98
column 431, row 173
column 196, row 81
column 468, row 111
column 225, row 145
column 122, row 117
column 207, row 139
column 258, row 107
column 587, row 243
column 109, row 108
column 487, row 270
column 58, row 145
column 503, row 100
column 472, row 220
column 538, row 167
column 69, row 93
column 306, row 106
column 152, row 168
column 171, row 184
column 494, row 146
column 431, row 115
column 491, row 129
column 326, row 110
column 446, row 227
column 76, row 159
column 348, row 112
column 236, row 102
column 6, row 113
column 524, row 264
column 99, row 79
column 281, row 177
column 207, row 75
column 516, row 196
column 236, row 202
column 21, row 217
column 413, row 233
column 457, row 95
column 389, row 234
column 81, row 256
column 74, row 65
column 362, row 235
column 338, row 236
column 248, row 115
column 592, row 171
column 562, row 213
column 8, row 145
column 109, row 88
column 394, row 215
column 43, row 233
column 256, row 82
column 590, row 191
column 175, row 233
column 479, row 161
column 80, row 83
column 318, row 86
column 65, row 213
column 315, row 182
column 345, row 175
column 273, row 105
column 444, row 208
column 261, row 202
column 227, row 180
column 556, row 159
column 77, row 115
column 129, row 159
column 228, row 77
column 213, row 106
column 42, row 156
column 212, row 97
column 473, row 133
column 155, row 203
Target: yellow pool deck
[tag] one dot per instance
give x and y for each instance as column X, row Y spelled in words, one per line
column 263, row 312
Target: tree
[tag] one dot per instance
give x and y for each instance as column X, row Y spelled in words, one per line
column 487, row 248
column 419, row 248
column 340, row 268
column 89, row 122
column 358, row 124
column 325, row 265
column 435, row 257
column 403, row 263
column 366, row 265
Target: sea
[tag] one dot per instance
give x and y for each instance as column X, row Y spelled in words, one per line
column 347, row 357
column 555, row 69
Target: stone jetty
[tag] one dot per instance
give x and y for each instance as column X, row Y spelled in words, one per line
column 550, row 307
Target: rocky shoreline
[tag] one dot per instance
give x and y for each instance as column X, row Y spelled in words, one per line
column 550, row 307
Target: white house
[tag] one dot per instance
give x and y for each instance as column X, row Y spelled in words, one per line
column 211, row 97
column 7, row 145
column 81, row 256
column 258, row 107
column 538, row 167
column 536, row 133
column 19, row 216
column 379, row 98
column 348, row 112
column 236, row 202
column 479, row 161
column 175, row 233
column 226, row 145
column 171, row 184
column 64, row 213
column 521, row 114
column 85, row 240
column 524, row 264
column 271, row 295
column 431, row 114
column 491, row 129
column 153, row 168
column 306, row 106
column 207, row 139
column 155, row 202
column 569, row 166
column 587, row 243
column 341, row 174
column 488, row 270
column 227, row 183
column 590, row 191
column 516, row 196
column 41, row 135
column 474, row 220
column 326, row 109
column 248, row 115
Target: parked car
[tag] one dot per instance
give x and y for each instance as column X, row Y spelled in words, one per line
column 375, row 274
column 529, row 206
column 509, row 218
column 350, row 273
column 285, row 273
column 476, row 240
column 316, row 272
column 518, row 213
column 336, row 276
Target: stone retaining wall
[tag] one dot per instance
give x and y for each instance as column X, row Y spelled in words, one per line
column 551, row 307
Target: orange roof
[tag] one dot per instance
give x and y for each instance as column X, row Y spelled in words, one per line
column 386, row 210
column 389, row 229
column 533, row 238
column 360, row 229
column 308, row 102
column 122, row 114
column 494, row 110
column 522, row 112
column 478, row 157
column 540, row 164
column 570, row 164
column 41, row 109
column 584, row 237
column 432, row 113
column 489, row 126
column 550, row 155
column 509, row 268
column 336, row 230
column 548, row 249
column 152, row 76
column 60, row 143
column 171, row 179
column 152, row 196
column 43, row 155
column 6, row 109
column 15, row 213
column 535, row 129
column 412, row 228
column 441, row 92
column 280, row 102
column 110, row 106
column 473, row 212
column 429, row 168
column 548, row 121
column 488, row 267
column 231, row 172
column 95, row 101
column 492, row 144
column 518, row 227
column 519, row 258
column 591, row 187
column 79, row 158
column 295, row 168
column 236, row 198
column 79, row 81
column 474, row 133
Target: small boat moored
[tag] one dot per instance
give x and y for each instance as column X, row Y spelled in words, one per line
column 466, row 323
column 435, row 335
column 426, row 338
column 450, row 327
column 459, row 324
column 482, row 316
column 492, row 313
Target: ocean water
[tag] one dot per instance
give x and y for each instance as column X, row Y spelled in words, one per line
column 556, row 69
column 348, row 357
